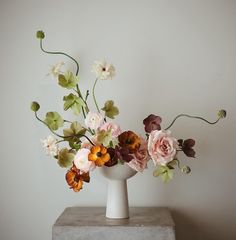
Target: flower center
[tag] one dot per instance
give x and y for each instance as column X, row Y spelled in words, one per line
column 76, row 178
column 128, row 141
column 99, row 154
column 103, row 69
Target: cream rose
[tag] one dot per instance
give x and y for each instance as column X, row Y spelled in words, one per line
column 162, row 147
column 81, row 161
column 94, row 120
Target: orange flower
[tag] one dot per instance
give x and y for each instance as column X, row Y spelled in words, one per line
column 129, row 140
column 99, row 155
column 75, row 179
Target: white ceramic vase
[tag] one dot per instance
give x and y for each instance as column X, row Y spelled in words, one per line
column 117, row 194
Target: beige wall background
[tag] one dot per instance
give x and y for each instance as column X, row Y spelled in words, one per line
column 171, row 57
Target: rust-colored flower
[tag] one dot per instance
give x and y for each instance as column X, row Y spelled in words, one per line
column 75, row 179
column 99, row 155
column 129, row 140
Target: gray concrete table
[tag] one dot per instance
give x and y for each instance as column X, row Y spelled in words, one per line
column 90, row 223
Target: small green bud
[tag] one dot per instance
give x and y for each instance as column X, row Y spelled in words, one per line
column 186, row 169
column 40, row 34
column 34, row 106
column 222, row 113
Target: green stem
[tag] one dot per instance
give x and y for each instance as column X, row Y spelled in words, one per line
column 64, row 137
column 60, row 141
column 88, row 139
column 90, row 131
column 87, row 94
column 67, row 121
column 77, row 90
column 77, row 68
column 85, row 101
column 80, row 95
column 60, row 53
column 189, row 116
column 94, row 98
column 47, row 126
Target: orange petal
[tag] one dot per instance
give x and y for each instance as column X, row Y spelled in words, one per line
column 103, row 150
column 106, row 157
column 95, row 149
column 99, row 162
column 77, row 187
column 92, row 157
column 74, row 180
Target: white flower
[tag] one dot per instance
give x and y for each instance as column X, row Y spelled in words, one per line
column 94, row 120
column 103, row 70
column 55, row 70
column 81, row 161
column 50, row 145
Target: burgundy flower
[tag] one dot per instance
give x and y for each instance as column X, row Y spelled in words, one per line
column 118, row 153
column 187, row 147
column 113, row 157
column 152, row 122
column 124, row 154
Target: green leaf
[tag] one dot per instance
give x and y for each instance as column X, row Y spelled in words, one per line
column 74, row 145
column 65, row 158
column 173, row 164
column 110, row 109
column 164, row 172
column 68, row 80
column 73, row 133
column 74, row 102
column 53, row 120
column 104, row 137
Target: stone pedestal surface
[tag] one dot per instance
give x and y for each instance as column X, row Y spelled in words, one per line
column 90, row 223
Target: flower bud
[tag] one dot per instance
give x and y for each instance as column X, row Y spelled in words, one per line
column 40, row 34
column 222, row 113
column 34, row 106
column 186, row 169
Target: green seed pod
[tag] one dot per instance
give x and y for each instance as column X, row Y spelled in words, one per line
column 34, row 106
column 222, row 113
column 186, row 169
column 40, row 34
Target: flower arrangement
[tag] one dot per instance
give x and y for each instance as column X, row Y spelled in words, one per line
column 99, row 141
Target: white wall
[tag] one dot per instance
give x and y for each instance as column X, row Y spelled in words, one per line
column 171, row 57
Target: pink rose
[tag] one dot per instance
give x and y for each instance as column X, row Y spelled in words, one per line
column 141, row 157
column 162, row 146
column 81, row 161
column 94, row 120
column 115, row 129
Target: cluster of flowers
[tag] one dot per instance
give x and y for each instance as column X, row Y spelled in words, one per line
column 99, row 142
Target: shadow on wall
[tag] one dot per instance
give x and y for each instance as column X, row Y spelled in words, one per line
column 186, row 228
